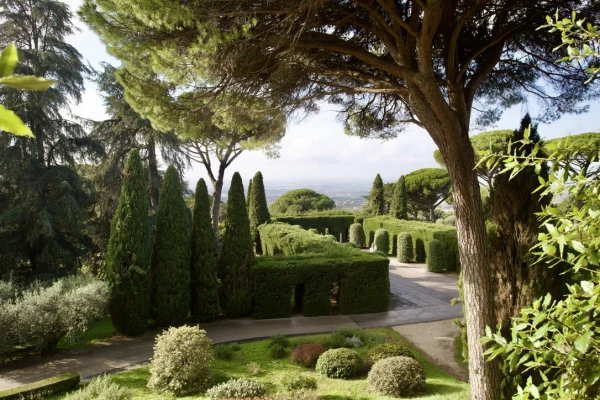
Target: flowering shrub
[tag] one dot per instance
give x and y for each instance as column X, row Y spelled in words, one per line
column 307, row 354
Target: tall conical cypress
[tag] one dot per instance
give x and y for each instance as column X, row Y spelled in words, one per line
column 170, row 294
column 237, row 255
column 248, row 195
column 129, row 252
column 377, row 202
column 398, row 207
column 203, row 263
column 257, row 208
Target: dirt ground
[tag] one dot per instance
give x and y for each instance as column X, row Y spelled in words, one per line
column 436, row 341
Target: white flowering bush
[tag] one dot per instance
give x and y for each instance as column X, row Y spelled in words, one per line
column 181, row 363
column 101, row 388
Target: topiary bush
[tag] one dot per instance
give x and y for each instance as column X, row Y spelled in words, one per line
column 307, row 354
column 339, row 364
column 397, row 377
column 382, row 240
column 357, row 235
column 293, row 382
column 237, row 389
column 181, row 363
column 387, row 350
column 436, row 255
column 419, row 250
column 277, row 351
column 101, row 388
column 405, row 247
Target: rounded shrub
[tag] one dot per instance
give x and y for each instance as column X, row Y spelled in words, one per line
column 307, row 354
column 382, row 240
column 419, row 250
column 279, row 339
column 101, row 388
column 181, row 363
column 387, row 350
column 277, row 351
column 293, row 382
column 339, row 364
column 397, row 377
column 436, row 256
column 237, row 389
column 405, row 247
column 357, row 235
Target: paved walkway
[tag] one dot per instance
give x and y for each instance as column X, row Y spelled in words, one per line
column 417, row 296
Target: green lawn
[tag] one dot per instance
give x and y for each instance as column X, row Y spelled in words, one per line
column 439, row 384
column 100, row 331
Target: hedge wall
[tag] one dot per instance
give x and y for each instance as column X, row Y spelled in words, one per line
column 335, row 223
column 363, row 278
column 43, row 388
column 418, row 230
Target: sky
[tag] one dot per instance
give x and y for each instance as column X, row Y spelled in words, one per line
column 315, row 149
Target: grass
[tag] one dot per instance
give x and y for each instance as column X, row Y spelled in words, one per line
column 458, row 353
column 440, row 386
column 100, row 331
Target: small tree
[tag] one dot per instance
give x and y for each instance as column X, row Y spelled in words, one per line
column 170, row 295
column 376, row 198
column 398, row 206
column 257, row 208
column 129, row 252
column 203, row 263
column 237, row 255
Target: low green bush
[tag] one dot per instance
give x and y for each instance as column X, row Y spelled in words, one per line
column 435, row 260
column 225, row 351
column 350, row 244
column 279, row 340
column 323, row 223
column 397, row 377
column 339, row 364
column 43, row 388
column 237, row 389
column 387, row 350
column 405, row 247
column 101, row 388
column 297, row 395
column 382, row 240
column 277, row 351
column 307, row 354
column 293, row 382
column 357, row 235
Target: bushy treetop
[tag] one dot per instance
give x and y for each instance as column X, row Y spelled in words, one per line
column 306, row 199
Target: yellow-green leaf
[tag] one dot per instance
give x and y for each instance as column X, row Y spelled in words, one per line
column 27, row 82
column 8, row 60
column 10, row 122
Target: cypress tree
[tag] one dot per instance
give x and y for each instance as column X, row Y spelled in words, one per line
column 170, row 295
column 377, row 202
column 398, row 207
column 129, row 252
column 403, row 199
column 248, row 195
column 237, row 256
column 257, row 208
column 203, row 263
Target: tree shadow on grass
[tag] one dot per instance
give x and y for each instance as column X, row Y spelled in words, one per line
column 441, row 388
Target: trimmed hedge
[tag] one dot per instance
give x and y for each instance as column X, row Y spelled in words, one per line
column 405, row 247
column 435, row 261
column 335, row 224
column 41, row 389
column 419, row 231
column 363, row 278
column 382, row 241
column 357, row 235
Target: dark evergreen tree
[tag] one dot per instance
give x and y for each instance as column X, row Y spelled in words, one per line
column 376, row 198
column 248, row 195
column 398, row 205
column 237, row 255
column 257, row 208
column 170, row 294
column 203, row 263
column 129, row 252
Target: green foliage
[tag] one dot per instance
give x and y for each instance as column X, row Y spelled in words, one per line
column 129, row 253
column 294, row 382
column 357, row 235
column 398, row 204
column 203, row 261
column 308, row 200
column 348, row 338
column 237, row 389
column 334, row 224
column 397, row 376
column 382, row 241
column 387, row 350
column 307, row 354
column 421, row 233
column 297, row 395
column 258, row 211
column 426, row 189
column 279, row 340
column 170, row 294
column 363, row 277
column 237, row 255
column 181, row 361
column 225, row 351
column 376, row 198
column 101, row 388
column 42, row 389
column 277, row 351
column 405, row 247
column 339, row 364
column 436, row 257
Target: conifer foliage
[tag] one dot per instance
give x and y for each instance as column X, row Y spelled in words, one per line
column 398, row 206
column 129, row 253
column 257, row 207
column 237, row 255
column 377, row 202
column 170, row 296
column 203, row 263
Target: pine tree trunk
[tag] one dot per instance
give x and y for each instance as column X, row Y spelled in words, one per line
column 153, row 179
column 218, row 186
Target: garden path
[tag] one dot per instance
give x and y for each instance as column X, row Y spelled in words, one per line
column 417, row 296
